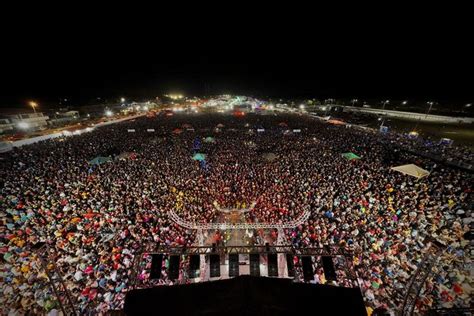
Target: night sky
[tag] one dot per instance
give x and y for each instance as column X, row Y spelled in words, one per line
column 82, row 63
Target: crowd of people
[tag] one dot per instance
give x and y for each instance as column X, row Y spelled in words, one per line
column 439, row 150
column 95, row 218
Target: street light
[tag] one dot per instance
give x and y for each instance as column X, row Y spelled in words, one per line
column 404, row 102
column 33, row 104
column 354, row 101
column 122, row 100
column 431, row 105
column 385, row 103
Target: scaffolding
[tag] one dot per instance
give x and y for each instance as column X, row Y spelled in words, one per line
column 422, row 273
column 345, row 268
column 55, row 278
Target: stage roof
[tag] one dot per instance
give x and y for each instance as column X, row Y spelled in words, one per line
column 245, row 295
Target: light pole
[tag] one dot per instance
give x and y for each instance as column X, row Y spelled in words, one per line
column 354, row 101
column 33, row 104
column 429, row 109
column 381, row 124
column 383, row 108
column 430, row 103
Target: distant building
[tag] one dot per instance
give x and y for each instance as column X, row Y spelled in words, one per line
column 143, row 106
column 61, row 118
column 6, row 126
column 29, row 121
column 137, row 107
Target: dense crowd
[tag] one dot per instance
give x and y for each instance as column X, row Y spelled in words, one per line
column 429, row 145
column 452, row 153
column 97, row 217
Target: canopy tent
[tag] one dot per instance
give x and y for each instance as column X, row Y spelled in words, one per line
column 209, row 139
column 199, row 157
column 197, row 144
column 283, row 124
column 350, row 156
column 220, row 125
column 177, row 131
column 126, row 155
column 269, row 157
column 412, row 170
column 99, row 160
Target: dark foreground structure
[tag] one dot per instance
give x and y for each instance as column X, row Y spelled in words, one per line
column 245, row 295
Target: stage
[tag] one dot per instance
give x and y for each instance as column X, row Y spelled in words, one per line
column 245, row 295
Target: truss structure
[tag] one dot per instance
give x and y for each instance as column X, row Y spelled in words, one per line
column 344, row 258
column 422, row 273
column 258, row 249
column 223, row 226
column 55, row 279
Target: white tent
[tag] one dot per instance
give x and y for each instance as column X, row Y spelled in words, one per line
column 412, row 170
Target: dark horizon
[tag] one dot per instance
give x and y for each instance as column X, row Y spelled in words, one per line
column 83, row 80
column 404, row 64
column 80, row 88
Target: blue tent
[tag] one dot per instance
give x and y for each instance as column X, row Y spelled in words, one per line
column 199, row 157
column 99, row 160
column 197, row 143
column 204, row 165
